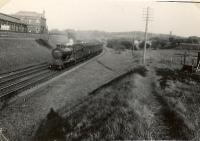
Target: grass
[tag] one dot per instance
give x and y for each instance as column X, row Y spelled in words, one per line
column 18, row 53
column 21, row 52
column 171, row 115
column 109, row 115
column 181, row 93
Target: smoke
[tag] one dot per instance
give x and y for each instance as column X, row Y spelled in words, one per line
column 70, row 42
column 71, row 34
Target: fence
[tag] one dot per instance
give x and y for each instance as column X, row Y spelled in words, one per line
column 179, row 60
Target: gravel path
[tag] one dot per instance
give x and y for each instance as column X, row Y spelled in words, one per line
column 22, row 116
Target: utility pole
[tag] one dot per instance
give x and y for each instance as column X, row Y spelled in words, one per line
column 147, row 18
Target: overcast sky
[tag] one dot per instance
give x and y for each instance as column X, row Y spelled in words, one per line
column 112, row 15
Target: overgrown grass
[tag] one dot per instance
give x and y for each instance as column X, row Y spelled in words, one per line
column 181, row 94
column 174, row 75
column 110, row 115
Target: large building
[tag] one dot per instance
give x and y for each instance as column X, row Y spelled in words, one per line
column 11, row 24
column 36, row 22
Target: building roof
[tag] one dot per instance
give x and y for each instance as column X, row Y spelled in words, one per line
column 10, row 18
column 29, row 14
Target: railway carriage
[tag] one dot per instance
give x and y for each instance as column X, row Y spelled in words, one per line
column 63, row 56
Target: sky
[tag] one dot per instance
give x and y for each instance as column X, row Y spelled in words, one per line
column 112, row 15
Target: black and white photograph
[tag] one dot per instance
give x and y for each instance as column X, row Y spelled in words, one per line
column 99, row 70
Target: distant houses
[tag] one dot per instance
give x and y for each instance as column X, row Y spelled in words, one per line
column 24, row 21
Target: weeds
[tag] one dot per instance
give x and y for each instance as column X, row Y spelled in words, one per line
column 183, row 99
column 108, row 116
column 53, row 128
column 15, row 54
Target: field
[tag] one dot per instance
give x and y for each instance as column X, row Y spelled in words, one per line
column 151, row 102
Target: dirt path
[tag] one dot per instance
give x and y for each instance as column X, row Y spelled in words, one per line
column 167, row 123
column 163, row 122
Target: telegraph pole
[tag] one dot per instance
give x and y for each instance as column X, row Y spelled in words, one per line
column 147, row 18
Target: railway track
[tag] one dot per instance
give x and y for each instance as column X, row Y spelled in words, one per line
column 17, row 81
column 2, row 75
column 20, row 74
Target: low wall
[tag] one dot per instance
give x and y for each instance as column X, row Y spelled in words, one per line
column 8, row 34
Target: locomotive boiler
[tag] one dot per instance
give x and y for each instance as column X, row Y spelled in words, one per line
column 63, row 55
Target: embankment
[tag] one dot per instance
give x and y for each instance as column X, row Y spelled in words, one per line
column 21, row 52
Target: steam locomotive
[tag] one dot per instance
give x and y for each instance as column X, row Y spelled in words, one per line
column 63, row 55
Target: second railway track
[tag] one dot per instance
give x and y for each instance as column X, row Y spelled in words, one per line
column 12, row 82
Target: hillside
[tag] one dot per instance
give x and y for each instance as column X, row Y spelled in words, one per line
column 98, row 35
column 89, row 35
column 17, row 53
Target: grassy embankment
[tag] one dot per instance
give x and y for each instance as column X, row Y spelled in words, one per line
column 19, row 53
column 109, row 115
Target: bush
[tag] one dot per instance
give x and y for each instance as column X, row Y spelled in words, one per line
column 119, row 44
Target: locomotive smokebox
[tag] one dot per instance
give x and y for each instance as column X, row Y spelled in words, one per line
column 62, row 53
